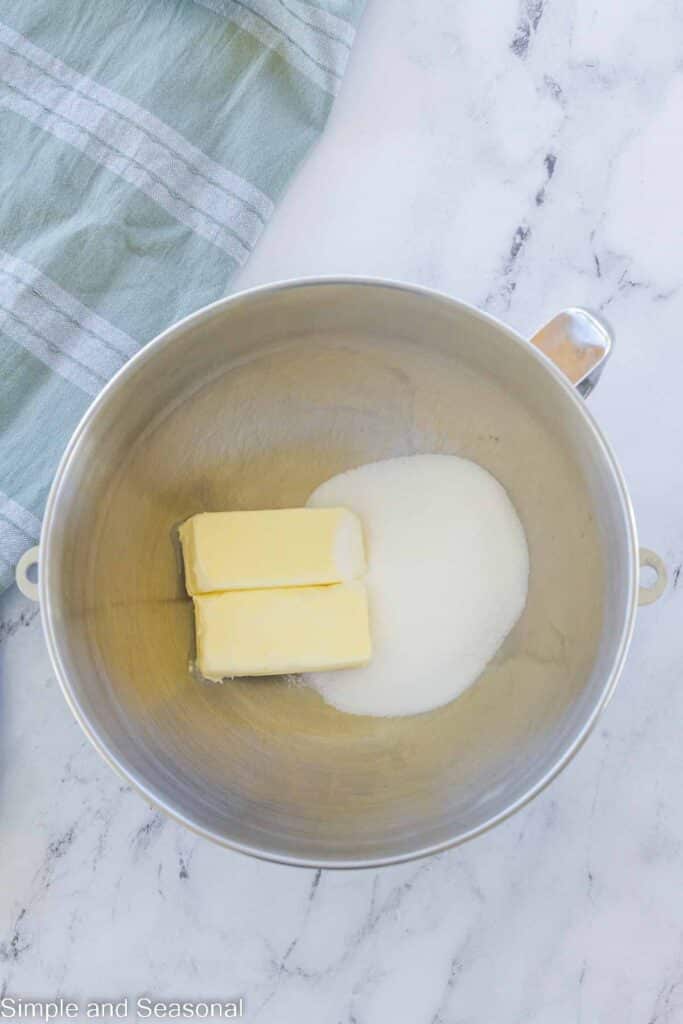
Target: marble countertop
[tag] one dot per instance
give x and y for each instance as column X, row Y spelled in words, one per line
column 523, row 155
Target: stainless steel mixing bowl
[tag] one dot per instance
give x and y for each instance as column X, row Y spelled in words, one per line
column 251, row 403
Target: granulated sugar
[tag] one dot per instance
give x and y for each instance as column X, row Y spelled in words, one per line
column 448, row 577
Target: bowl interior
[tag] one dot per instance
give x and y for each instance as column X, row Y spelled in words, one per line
column 251, row 405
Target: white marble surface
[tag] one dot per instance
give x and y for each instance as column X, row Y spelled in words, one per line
column 523, row 155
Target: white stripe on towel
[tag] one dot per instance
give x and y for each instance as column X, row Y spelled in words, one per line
column 324, row 21
column 33, row 321
column 13, row 542
column 19, row 516
column 66, row 306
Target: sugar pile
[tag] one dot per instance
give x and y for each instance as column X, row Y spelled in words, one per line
column 448, row 578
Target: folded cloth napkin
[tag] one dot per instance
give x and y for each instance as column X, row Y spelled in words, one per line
column 143, row 144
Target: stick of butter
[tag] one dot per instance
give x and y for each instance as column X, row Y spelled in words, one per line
column 277, row 631
column 291, row 547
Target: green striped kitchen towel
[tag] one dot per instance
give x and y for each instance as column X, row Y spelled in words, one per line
column 142, row 146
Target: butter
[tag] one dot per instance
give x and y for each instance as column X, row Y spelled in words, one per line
column 293, row 547
column 277, row 631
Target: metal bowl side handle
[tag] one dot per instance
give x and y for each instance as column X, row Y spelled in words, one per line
column 28, row 588
column 648, row 595
column 579, row 343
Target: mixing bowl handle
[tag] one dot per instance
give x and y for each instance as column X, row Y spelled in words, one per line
column 26, row 586
column 647, row 595
column 579, row 343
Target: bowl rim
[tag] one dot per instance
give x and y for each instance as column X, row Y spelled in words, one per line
column 167, row 337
